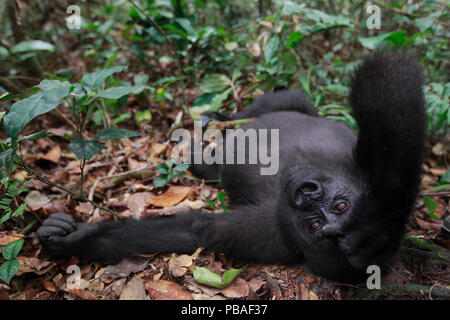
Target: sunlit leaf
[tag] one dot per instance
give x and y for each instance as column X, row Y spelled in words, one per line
column 92, row 81
column 33, row 45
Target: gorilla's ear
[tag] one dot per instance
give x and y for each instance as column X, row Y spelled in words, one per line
column 388, row 104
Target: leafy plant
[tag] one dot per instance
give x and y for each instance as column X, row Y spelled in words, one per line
column 168, row 172
column 437, row 97
column 206, row 277
column 431, row 206
column 80, row 99
column 220, row 199
column 10, row 267
column 13, row 189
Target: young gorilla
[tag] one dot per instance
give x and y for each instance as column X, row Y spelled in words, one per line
column 338, row 203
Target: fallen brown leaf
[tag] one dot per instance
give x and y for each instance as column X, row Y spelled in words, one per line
column 53, row 155
column 6, row 238
column 167, row 290
column 139, row 201
column 134, row 290
column 34, row 265
column 173, row 196
column 36, row 200
column 237, row 289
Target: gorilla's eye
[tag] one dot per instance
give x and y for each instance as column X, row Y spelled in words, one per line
column 340, row 206
column 315, row 225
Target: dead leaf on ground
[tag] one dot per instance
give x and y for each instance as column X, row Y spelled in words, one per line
column 181, row 207
column 179, row 264
column 173, row 196
column 49, row 286
column 85, row 207
column 134, row 165
column 36, row 200
column 123, row 269
column 6, row 238
column 82, row 294
column 53, row 155
column 429, row 226
column 167, row 290
column 237, row 289
column 139, row 201
column 134, row 290
column 34, row 265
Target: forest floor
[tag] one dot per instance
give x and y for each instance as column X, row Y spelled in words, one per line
column 116, row 179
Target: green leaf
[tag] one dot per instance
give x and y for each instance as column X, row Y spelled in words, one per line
column 140, row 79
column 186, row 25
column 230, row 275
column 162, row 170
column 3, row 52
column 216, row 102
column 209, row 202
column 85, row 149
column 214, row 83
column 92, row 81
column 221, row 197
column 159, row 182
column 116, row 92
column 446, row 176
column 373, row 42
column 142, row 115
column 122, row 117
column 115, row 133
column 23, row 111
column 271, row 48
column 19, row 211
column 35, row 136
column 181, row 167
column 206, row 277
column 54, row 84
column 8, row 270
column 431, row 207
column 426, row 22
column 33, row 45
column 11, row 250
column 6, row 159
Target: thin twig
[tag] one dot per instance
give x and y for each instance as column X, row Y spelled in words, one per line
column 78, row 196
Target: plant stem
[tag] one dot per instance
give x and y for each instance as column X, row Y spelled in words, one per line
column 23, row 166
column 82, row 164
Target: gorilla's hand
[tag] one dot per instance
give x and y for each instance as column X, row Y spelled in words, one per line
column 368, row 245
column 61, row 236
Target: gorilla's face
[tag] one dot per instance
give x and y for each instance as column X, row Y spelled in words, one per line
column 320, row 213
column 334, row 224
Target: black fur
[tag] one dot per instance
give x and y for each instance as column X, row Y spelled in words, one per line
column 323, row 167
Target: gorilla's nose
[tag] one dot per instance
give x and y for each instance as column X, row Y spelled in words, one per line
column 312, row 189
column 331, row 230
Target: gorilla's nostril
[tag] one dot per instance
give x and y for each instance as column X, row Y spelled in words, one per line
column 312, row 189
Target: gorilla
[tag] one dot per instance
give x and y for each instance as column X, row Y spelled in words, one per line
column 338, row 203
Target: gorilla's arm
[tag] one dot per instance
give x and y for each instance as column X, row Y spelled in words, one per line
column 246, row 233
column 388, row 104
